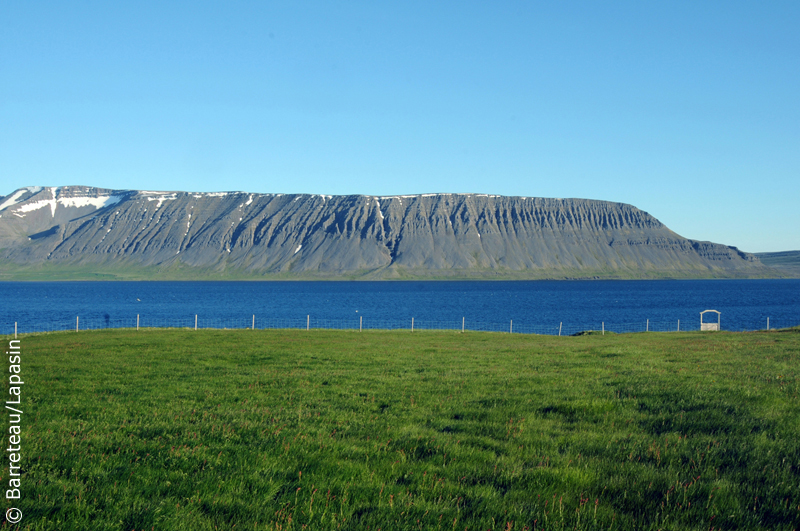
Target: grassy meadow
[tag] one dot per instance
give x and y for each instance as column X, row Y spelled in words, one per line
column 318, row 430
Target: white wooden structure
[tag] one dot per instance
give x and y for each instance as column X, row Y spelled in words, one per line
column 709, row 326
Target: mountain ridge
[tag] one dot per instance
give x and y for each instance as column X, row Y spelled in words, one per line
column 88, row 232
column 788, row 262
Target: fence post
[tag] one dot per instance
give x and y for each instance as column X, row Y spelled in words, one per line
column 511, row 327
column 604, row 327
column 559, row 328
column 462, row 325
column 679, row 325
column 308, row 322
column 767, row 326
column 412, row 324
column 77, row 319
column 195, row 321
column 647, row 329
column 137, row 322
column 360, row 322
column 254, row 322
column 15, row 330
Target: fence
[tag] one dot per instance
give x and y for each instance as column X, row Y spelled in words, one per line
column 359, row 324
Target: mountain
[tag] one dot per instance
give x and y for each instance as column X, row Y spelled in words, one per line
column 787, row 262
column 83, row 232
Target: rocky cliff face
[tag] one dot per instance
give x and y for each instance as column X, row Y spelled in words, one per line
column 244, row 235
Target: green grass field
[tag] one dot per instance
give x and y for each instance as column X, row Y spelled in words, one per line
column 241, row 429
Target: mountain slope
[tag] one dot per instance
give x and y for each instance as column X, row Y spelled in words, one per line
column 787, row 262
column 76, row 231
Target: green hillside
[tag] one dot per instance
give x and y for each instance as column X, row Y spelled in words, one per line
column 787, row 262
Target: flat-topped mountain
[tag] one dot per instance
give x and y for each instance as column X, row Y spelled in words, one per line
column 787, row 262
column 84, row 232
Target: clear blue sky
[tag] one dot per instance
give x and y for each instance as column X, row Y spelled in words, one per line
column 688, row 110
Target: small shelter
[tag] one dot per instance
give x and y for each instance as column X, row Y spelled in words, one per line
column 709, row 325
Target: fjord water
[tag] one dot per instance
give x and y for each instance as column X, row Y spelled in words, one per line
column 534, row 306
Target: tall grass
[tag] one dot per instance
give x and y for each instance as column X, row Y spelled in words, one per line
column 203, row 430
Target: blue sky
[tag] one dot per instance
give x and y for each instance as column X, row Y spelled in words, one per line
column 687, row 110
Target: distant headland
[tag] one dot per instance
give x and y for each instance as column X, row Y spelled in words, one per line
column 79, row 232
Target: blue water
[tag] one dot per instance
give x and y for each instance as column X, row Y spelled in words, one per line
column 533, row 306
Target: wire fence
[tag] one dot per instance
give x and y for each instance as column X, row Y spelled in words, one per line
column 253, row 322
